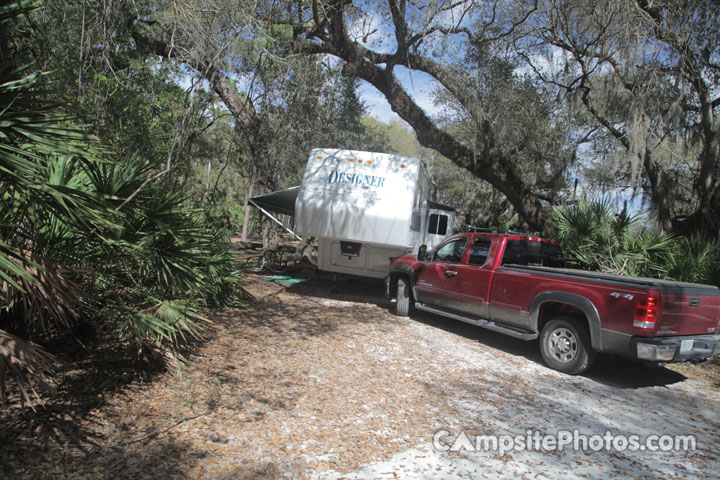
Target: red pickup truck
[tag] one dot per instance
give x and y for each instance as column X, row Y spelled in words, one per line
column 517, row 284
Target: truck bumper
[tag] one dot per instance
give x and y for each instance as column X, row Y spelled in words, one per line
column 676, row 349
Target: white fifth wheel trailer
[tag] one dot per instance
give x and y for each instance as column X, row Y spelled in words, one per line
column 364, row 208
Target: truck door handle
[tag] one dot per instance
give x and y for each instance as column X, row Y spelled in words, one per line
column 450, row 273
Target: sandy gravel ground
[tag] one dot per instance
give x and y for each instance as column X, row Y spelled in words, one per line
column 315, row 383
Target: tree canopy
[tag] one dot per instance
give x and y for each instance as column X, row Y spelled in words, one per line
column 532, row 83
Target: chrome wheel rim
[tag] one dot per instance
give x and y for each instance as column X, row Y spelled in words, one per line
column 563, row 344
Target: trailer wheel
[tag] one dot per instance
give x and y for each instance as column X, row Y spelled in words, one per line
column 565, row 346
column 402, row 306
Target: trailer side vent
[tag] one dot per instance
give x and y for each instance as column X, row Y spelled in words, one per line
column 350, row 249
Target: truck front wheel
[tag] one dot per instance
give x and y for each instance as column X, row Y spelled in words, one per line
column 565, row 346
column 402, row 306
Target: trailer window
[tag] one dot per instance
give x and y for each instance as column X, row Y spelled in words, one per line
column 526, row 252
column 480, row 251
column 438, row 224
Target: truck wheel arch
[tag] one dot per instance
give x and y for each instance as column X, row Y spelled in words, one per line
column 582, row 304
column 398, row 271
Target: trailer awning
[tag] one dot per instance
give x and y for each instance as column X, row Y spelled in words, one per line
column 282, row 201
column 440, row 206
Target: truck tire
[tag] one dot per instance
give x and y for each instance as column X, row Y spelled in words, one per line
column 565, row 346
column 402, row 305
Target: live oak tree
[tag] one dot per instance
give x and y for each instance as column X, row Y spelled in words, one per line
column 523, row 84
column 646, row 72
column 515, row 112
column 643, row 72
column 375, row 40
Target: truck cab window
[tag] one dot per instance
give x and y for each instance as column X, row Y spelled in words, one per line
column 451, row 252
column 553, row 256
column 438, row 224
column 526, row 252
column 480, row 251
column 516, row 253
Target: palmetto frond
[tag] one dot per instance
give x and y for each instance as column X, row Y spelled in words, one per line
column 595, row 238
column 696, row 259
column 39, row 201
column 46, row 295
column 161, row 327
column 644, row 254
column 27, row 363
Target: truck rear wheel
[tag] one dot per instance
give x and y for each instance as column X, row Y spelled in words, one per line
column 565, row 346
column 402, row 306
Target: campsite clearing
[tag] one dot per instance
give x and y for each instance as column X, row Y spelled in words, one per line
column 319, row 381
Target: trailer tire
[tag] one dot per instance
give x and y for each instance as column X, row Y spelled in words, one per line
column 565, row 346
column 402, row 305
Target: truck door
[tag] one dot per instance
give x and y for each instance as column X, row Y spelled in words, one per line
column 474, row 278
column 437, row 281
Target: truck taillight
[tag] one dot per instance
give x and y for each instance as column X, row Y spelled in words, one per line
column 645, row 313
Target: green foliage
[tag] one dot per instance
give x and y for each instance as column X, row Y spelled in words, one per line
column 164, row 262
column 34, row 143
column 35, row 202
column 158, row 251
column 129, row 119
column 594, row 238
column 87, row 236
column 696, row 259
column 213, row 175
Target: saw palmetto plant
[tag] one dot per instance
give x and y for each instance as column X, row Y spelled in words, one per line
column 33, row 286
column 595, row 238
column 86, row 237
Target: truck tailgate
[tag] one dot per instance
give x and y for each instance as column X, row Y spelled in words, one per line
column 689, row 311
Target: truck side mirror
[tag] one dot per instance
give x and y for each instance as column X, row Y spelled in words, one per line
column 422, row 253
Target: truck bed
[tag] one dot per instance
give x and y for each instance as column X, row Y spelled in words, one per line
column 667, row 287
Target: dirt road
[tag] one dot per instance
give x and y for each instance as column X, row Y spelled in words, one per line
column 315, row 383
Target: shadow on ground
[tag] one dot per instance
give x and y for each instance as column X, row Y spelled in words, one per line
column 607, row 369
column 61, row 435
column 59, row 431
column 166, row 458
